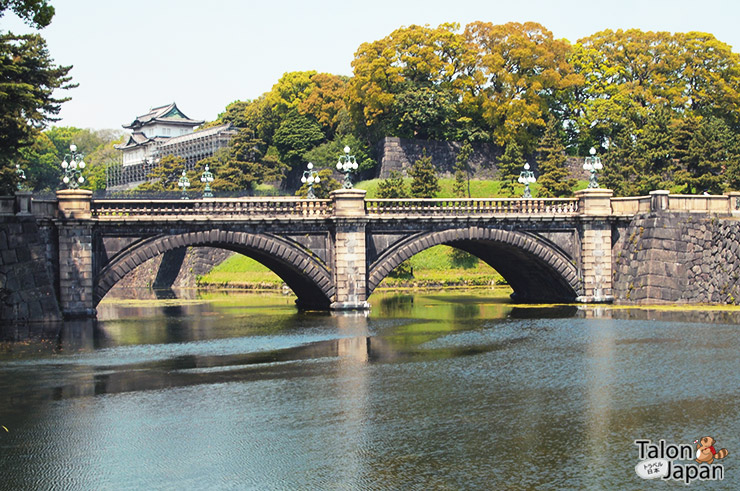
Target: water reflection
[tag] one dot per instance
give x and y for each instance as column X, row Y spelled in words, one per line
column 460, row 391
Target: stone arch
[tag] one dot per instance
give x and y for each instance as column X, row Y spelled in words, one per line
column 535, row 269
column 301, row 270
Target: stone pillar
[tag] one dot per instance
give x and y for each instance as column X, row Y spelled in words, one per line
column 658, row 200
column 596, row 245
column 76, row 282
column 23, row 203
column 349, row 264
column 734, row 202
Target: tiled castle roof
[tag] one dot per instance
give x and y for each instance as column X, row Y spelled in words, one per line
column 166, row 114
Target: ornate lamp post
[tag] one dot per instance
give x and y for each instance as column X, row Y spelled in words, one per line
column 526, row 177
column 21, row 176
column 592, row 164
column 72, row 166
column 311, row 177
column 207, row 178
column 347, row 164
column 184, row 184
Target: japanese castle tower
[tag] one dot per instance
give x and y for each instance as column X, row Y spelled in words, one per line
column 164, row 130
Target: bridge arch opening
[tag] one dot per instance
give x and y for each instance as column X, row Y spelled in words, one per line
column 536, row 270
column 302, row 271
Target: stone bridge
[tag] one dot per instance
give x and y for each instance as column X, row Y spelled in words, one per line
column 333, row 253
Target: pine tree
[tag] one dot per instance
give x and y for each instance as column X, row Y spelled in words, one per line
column 424, row 180
column 393, row 187
column 509, row 166
column 461, row 187
column 553, row 179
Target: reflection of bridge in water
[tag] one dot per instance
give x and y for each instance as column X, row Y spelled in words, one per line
column 333, row 253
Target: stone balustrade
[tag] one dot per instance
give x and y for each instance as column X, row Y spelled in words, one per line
column 461, row 206
column 632, row 205
column 254, row 207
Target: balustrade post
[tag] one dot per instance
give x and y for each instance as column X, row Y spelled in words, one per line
column 658, row 200
column 349, row 258
column 733, row 202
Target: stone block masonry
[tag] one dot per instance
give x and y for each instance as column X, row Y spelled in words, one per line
column 678, row 257
column 26, row 286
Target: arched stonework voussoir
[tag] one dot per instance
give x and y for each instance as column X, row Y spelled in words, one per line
column 302, row 271
column 535, row 269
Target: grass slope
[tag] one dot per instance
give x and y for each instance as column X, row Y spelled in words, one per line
column 432, row 267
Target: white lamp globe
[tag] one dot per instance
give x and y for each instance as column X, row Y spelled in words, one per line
column 303, row 179
column 526, row 165
column 82, row 164
column 310, row 166
column 81, row 179
column 346, row 149
column 317, row 180
column 66, row 179
column 64, row 164
column 592, row 151
column 73, row 147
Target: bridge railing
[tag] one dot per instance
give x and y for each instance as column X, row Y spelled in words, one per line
column 251, row 207
column 462, row 206
column 631, row 205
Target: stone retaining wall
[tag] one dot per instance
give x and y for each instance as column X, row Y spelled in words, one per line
column 197, row 261
column 400, row 154
column 674, row 257
column 26, row 286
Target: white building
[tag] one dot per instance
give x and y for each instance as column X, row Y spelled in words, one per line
column 165, row 130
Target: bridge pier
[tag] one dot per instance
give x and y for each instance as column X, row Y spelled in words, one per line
column 349, row 258
column 76, row 277
column 596, row 245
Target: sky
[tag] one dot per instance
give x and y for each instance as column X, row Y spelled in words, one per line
column 131, row 56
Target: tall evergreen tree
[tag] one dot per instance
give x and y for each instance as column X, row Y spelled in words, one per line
column 705, row 148
column 461, row 187
column 510, row 165
column 424, row 180
column 553, row 179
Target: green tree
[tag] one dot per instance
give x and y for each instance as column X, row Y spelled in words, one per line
column 246, row 162
column 510, row 165
column 620, row 170
column 41, row 164
column 707, row 151
column 393, row 187
column 326, row 154
column 326, row 185
column 296, row 135
column 424, row 180
column 461, row 187
column 424, row 113
column 553, row 179
column 36, row 13
column 630, row 74
column 27, row 103
column 401, row 72
column 165, row 175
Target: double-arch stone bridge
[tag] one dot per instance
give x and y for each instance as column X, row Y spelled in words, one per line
column 333, row 253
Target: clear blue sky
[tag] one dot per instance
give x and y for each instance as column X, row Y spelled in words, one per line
column 133, row 55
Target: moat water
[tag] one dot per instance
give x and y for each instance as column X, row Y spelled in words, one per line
column 427, row 391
